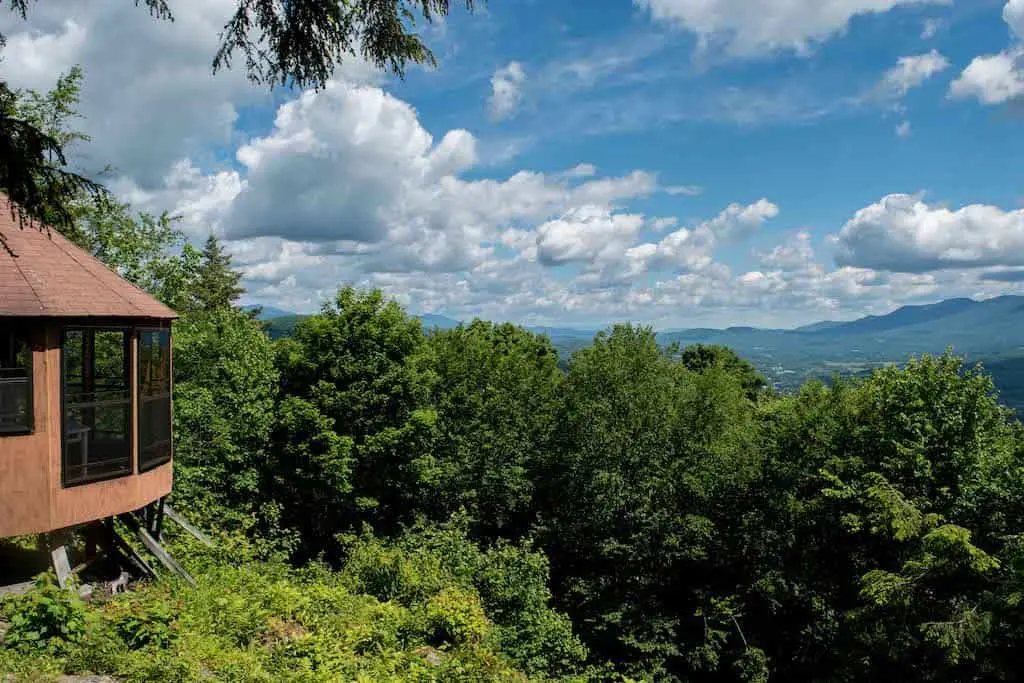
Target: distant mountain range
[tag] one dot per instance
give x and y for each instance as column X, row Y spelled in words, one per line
column 990, row 331
column 268, row 312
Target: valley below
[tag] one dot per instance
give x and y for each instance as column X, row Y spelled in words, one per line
column 990, row 332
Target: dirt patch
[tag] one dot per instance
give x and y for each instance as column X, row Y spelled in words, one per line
column 281, row 631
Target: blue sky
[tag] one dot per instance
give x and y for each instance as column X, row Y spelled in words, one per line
column 814, row 149
column 680, row 162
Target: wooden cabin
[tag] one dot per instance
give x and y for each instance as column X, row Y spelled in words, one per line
column 85, row 386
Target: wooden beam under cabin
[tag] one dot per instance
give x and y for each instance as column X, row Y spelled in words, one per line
column 184, row 524
column 158, row 550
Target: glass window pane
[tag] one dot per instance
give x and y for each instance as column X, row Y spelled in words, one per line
column 97, row 405
column 154, row 398
column 15, row 382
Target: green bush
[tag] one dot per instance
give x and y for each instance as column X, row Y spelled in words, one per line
column 47, row 618
column 510, row 580
column 145, row 619
column 454, row 617
column 255, row 622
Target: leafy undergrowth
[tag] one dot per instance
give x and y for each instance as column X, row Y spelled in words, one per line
column 394, row 616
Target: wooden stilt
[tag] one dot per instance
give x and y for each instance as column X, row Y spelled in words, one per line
column 158, row 520
column 61, row 565
column 158, row 550
column 129, row 552
column 176, row 517
column 93, row 540
column 56, row 541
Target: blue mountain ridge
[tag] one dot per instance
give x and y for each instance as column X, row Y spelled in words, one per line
column 996, row 323
column 990, row 330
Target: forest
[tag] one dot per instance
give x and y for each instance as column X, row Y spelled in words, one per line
column 394, row 504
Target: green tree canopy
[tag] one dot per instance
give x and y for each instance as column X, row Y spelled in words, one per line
column 225, row 393
column 496, row 401
column 356, row 370
column 878, row 539
column 701, row 357
column 649, row 457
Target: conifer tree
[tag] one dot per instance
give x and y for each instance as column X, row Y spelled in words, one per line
column 216, row 284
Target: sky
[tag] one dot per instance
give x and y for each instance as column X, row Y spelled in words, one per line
column 683, row 163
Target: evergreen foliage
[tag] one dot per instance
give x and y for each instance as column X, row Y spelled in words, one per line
column 216, row 284
column 33, row 171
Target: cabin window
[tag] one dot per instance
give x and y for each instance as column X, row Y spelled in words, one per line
column 97, row 405
column 15, row 383
column 154, row 398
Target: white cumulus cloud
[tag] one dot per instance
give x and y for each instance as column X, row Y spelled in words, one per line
column 997, row 78
column 506, row 91
column 751, row 27
column 736, row 222
column 902, row 233
column 795, row 253
column 912, row 71
column 1013, row 15
column 690, row 249
column 992, row 79
column 149, row 98
column 587, row 234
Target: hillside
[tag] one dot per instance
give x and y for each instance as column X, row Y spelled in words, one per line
column 988, row 331
column 390, row 504
column 991, row 324
column 267, row 312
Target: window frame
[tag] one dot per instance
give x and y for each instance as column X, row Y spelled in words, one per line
column 128, row 332
column 141, row 468
column 30, row 427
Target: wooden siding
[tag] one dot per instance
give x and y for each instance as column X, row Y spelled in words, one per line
column 32, row 499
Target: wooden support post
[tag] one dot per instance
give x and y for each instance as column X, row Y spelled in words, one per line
column 55, row 542
column 61, row 565
column 93, row 540
column 176, row 517
column 118, row 544
column 157, row 529
column 158, row 550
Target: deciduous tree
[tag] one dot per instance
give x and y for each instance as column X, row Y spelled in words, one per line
column 496, row 401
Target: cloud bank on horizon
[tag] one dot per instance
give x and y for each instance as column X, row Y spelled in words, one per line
column 680, row 162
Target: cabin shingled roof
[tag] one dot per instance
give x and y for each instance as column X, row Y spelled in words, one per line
column 44, row 274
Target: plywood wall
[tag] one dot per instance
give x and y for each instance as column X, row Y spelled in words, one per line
column 32, row 499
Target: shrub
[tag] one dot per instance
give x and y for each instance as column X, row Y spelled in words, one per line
column 454, row 617
column 47, row 617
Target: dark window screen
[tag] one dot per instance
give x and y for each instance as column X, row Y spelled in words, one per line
column 154, row 398
column 15, row 382
column 97, row 405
